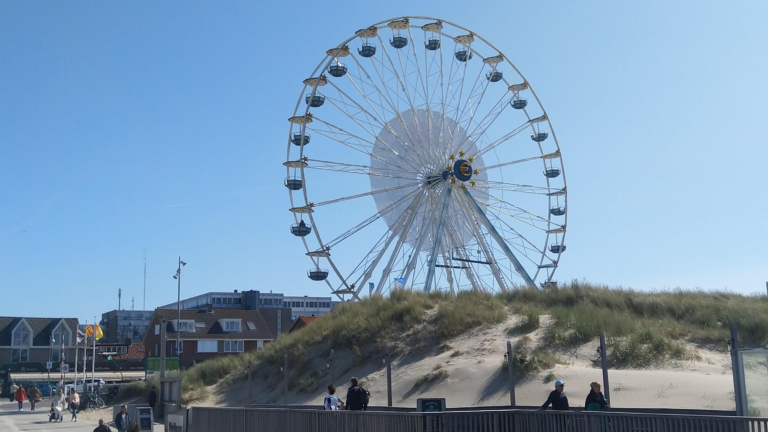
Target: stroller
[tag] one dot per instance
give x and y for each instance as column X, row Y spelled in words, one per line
column 52, row 416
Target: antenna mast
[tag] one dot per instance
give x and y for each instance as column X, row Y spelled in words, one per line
column 119, row 297
column 144, row 302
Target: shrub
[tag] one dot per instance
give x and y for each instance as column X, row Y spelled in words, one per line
column 529, row 321
column 647, row 349
column 431, row 377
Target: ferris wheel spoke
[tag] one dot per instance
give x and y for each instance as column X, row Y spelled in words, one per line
column 380, row 121
column 364, row 121
column 438, row 238
column 358, row 169
column 519, row 209
column 468, row 103
column 517, row 187
column 462, row 257
column 514, row 162
column 489, row 119
column 365, row 194
column 403, row 236
column 506, row 137
column 376, row 216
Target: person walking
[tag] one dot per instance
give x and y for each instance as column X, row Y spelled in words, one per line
column 13, row 389
column 557, row 398
column 74, row 404
column 331, row 401
column 21, row 396
column 357, row 397
column 595, row 399
column 57, row 405
column 122, row 420
column 102, row 427
column 34, row 395
column 152, row 399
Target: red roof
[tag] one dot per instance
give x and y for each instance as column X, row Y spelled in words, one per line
column 302, row 322
column 135, row 352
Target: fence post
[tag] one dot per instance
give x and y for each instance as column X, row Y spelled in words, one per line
column 285, row 380
column 250, row 382
column 389, row 377
column 330, row 366
column 604, row 361
column 511, row 373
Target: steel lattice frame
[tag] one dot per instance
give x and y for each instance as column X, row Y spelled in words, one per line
column 436, row 132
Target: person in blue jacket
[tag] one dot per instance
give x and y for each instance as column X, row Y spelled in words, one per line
column 557, row 398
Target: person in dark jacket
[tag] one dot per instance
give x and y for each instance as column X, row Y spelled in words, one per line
column 122, row 420
column 595, row 399
column 357, row 397
column 557, row 398
column 152, row 398
column 102, row 427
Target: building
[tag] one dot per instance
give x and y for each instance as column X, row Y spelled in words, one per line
column 207, row 333
column 124, row 326
column 301, row 322
column 253, row 300
column 36, row 340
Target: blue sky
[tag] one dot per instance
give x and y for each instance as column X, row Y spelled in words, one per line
column 161, row 125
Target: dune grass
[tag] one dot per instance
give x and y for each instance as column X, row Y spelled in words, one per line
column 644, row 329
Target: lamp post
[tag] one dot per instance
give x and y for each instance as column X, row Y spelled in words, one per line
column 177, row 276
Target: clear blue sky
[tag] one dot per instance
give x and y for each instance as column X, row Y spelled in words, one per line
column 161, row 125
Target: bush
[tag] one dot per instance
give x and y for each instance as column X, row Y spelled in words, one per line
column 647, row 349
column 527, row 360
column 529, row 321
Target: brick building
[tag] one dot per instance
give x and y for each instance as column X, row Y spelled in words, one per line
column 207, row 333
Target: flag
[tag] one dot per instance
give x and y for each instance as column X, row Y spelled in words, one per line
column 370, row 288
column 99, row 333
column 399, row 283
column 80, row 336
column 88, row 331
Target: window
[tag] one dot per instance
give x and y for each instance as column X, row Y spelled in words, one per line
column 231, row 325
column 55, row 356
column 60, row 335
column 233, row 346
column 259, row 345
column 207, row 346
column 199, row 324
column 186, row 326
column 251, row 325
column 20, row 355
column 157, row 329
column 173, row 347
column 21, row 337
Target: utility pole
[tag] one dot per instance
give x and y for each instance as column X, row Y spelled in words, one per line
column 250, row 383
column 119, row 297
column 285, row 380
column 163, row 325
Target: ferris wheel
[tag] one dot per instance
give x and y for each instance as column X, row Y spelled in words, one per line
column 419, row 157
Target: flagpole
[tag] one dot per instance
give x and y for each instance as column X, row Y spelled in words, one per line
column 93, row 361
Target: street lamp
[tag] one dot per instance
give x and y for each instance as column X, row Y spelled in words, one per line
column 177, row 276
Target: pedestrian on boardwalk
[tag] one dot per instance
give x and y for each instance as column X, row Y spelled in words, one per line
column 122, row 420
column 331, row 401
column 152, row 399
column 13, row 389
column 35, row 395
column 557, row 398
column 58, row 403
column 21, row 396
column 74, row 404
column 102, row 427
column 595, row 399
column 357, row 397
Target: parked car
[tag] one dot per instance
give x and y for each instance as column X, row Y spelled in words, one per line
column 90, row 383
column 46, row 389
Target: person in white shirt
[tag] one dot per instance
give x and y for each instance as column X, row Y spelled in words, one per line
column 331, row 401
